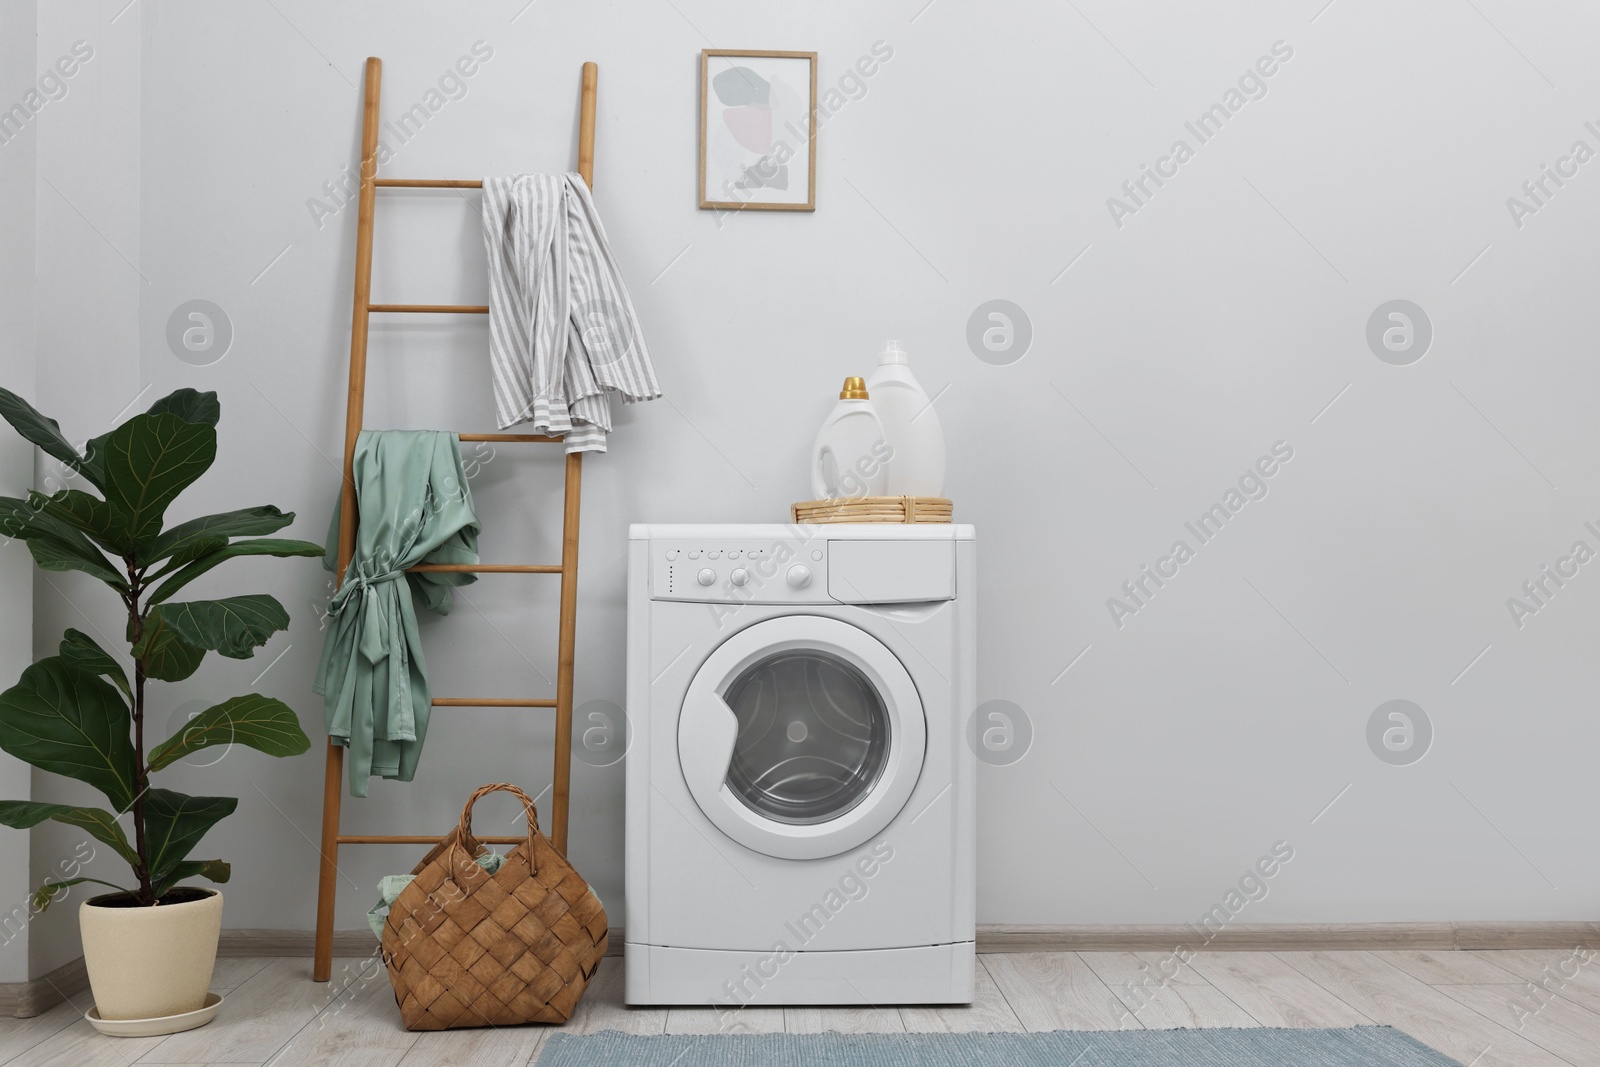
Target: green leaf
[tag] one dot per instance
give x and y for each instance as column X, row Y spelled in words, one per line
column 42, row 431
column 213, row 531
column 87, row 514
column 202, row 546
column 63, row 719
column 53, row 555
column 261, row 546
column 262, row 723
column 165, row 656
column 235, row 627
column 214, row 870
column 175, row 823
column 149, row 460
column 186, row 404
column 190, row 406
column 96, row 822
column 81, row 651
column 94, row 460
column 55, row 545
column 47, row 892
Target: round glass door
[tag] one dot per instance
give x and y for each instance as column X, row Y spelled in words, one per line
column 813, row 736
column 801, row 736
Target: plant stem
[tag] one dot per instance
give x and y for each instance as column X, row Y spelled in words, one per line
column 141, row 780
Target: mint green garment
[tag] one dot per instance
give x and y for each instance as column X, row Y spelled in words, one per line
column 415, row 508
column 390, row 885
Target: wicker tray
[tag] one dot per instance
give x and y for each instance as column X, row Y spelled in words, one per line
column 901, row 509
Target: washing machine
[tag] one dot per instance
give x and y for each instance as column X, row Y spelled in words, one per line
column 800, row 808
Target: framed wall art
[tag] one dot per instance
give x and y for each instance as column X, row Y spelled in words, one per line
column 757, row 114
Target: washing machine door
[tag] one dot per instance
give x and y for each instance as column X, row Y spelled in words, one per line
column 801, row 737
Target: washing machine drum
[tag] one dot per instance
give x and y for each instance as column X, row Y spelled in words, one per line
column 813, row 736
column 801, row 737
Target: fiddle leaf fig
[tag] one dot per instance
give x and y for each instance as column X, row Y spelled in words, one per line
column 45, row 894
column 149, row 460
column 189, row 405
column 78, row 713
column 261, row 546
column 234, row 627
column 163, row 654
column 52, row 554
column 81, row 651
column 63, row 719
column 262, row 723
column 87, row 514
column 42, row 431
column 213, row 531
column 175, row 823
column 96, row 822
column 211, row 870
column 55, row 545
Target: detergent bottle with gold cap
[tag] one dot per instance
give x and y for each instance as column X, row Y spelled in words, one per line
column 851, row 456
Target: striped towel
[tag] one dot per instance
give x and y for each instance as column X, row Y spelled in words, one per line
column 562, row 329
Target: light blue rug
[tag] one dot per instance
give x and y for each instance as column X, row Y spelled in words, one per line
column 1363, row 1046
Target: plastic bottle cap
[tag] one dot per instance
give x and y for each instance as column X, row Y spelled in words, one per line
column 892, row 353
column 854, row 389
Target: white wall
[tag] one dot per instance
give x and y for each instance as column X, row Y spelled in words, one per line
column 86, row 313
column 1220, row 318
column 17, row 26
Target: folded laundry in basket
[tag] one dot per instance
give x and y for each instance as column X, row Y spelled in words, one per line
column 390, row 885
column 562, row 328
column 415, row 507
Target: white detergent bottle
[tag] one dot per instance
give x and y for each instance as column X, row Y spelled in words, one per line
column 850, row 457
column 917, row 465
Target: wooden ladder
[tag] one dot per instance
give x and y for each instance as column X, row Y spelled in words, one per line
column 333, row 785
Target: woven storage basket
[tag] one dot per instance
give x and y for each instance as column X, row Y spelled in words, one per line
column 902, row 509
column 468, row 948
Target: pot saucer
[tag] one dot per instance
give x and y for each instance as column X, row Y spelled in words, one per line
column 169, row 1024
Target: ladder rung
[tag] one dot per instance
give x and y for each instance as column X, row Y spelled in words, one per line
column 433, row 309
column 490, row 702
column 485, row 568
column 428, row 183
column 534, row 438
column 412, row 839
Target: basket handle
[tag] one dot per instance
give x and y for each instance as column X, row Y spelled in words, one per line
column 464, row 831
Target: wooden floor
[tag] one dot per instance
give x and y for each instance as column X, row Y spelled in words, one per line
column 1477, row 1007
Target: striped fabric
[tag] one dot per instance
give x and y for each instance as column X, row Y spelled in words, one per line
column 562, row 329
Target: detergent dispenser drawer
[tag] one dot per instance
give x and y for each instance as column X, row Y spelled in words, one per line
column 891, row 572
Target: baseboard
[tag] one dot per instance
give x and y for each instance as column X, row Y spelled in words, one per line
column 1241, row 937
column 303, row 942
column 293, row 943
column 1288, row 937
column 24, row 999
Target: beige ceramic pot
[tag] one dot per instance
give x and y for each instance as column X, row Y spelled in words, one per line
column 150, row 963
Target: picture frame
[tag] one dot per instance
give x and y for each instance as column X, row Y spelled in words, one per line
column 758, row 113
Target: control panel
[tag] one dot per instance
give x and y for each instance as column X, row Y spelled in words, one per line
column 765, row 572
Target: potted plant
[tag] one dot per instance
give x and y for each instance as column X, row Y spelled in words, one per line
column 149, row 948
